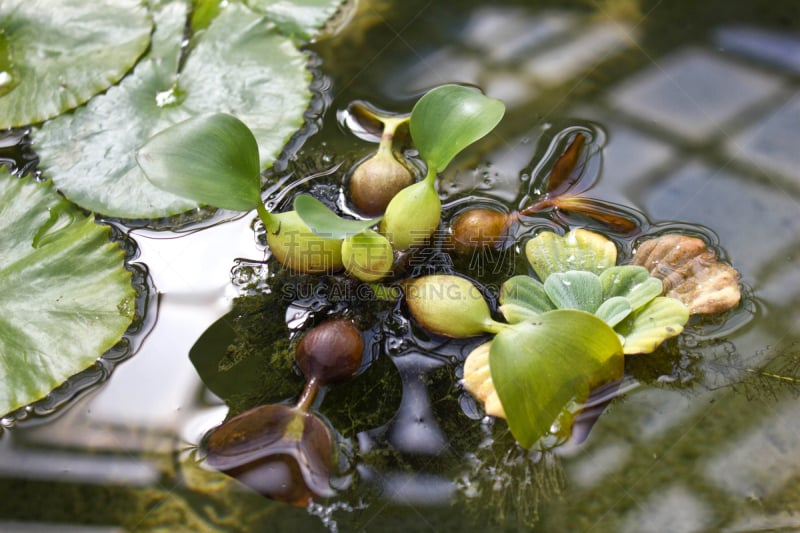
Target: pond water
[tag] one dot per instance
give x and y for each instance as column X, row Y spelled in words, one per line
column 694, row 108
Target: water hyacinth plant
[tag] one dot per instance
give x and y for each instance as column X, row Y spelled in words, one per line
column 213, row 159
column 443, row 122
column 286, row 452
column 563, row 336
column 376, row 180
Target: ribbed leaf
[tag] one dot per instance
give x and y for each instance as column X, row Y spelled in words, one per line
column 65, row 295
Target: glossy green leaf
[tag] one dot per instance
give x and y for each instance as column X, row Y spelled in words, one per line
column 579, row 249
column 541, row 368
column 645, row 329
column 524, row 292
column 90, row 153
column 449, row 118
column 631, row 281
column 614, row 310
column 65, row 295
column 574, row 289
column 55, row 55
column 301, row 18
column 324, row 222
column 211, row 159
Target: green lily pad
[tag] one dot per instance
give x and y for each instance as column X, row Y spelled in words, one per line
column 645, row 329
column 301, row 18
column 574, row 289
column 631, row 281
column 55, row 57
column 65, row 295
column 541, row 368
column 579, row 249
column 90, row 154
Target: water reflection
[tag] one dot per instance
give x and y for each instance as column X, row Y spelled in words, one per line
column 732, row 170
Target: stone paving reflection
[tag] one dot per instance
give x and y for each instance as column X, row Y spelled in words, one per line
column 708, row 133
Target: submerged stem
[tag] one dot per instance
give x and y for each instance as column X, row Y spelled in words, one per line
column 308, row 395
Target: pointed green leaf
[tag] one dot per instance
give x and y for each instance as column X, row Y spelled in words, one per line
column 579, row 249
column 541, row 368
column 65, row 295
column 524, row 292
column 55, row 56
column 649, row 326
column 614, row 310
column 324, row 222
column 631, row 281
column 90, row 154
column 211, row 159
column 574, row 290
column 449, row 118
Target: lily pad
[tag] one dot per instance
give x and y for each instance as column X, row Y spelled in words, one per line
column 90, row 154
column 542, row 368
column 56, row 55
column 579, row 249
column 645, row 329
column 301, row 18
column 65, row 295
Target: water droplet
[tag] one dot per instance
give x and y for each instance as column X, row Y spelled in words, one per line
column 165, row 98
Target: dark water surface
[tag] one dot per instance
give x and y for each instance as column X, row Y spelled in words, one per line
column 694, row 111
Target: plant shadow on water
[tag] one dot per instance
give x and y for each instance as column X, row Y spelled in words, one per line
column 695, row 436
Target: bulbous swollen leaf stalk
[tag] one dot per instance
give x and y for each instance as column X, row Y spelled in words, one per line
column 413, row 214
column 295, row 246
column 480, row 228
column 451, row 306
column 378, row 179
column 367, row 256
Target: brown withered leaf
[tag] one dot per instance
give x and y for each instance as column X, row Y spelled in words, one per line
column 690, row 272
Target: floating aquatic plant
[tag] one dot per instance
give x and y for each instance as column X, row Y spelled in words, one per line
column 65, row 295
column 376, row 180
column 443, row 122
column 286, row 452
column 691, row 272
column 482, row 227
column 213, row 159
column 565, row 335
column 90, row 154
column 55, row 59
